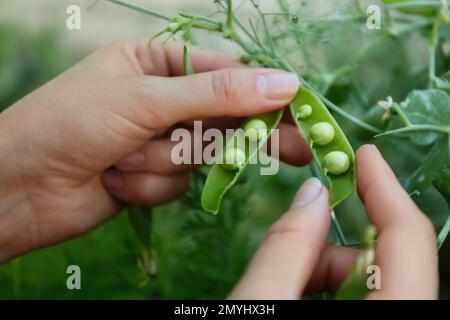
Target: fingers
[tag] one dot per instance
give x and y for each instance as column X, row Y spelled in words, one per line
column 144, row 188
column 333, row 267
column 201, row 60
column 293, row 149
column 406, row 249
column 286, row 259
column 155, row 157
column 227, row 92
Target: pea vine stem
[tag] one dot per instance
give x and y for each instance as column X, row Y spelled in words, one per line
column 434, row 39
column 141, row 9
column 415, row 128
column 338, row 230
column 415, row 4
column 398, row 110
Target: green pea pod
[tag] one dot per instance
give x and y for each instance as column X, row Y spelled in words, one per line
column 341, row 181
column 220, row 179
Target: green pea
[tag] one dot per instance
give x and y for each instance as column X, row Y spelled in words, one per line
column 337, row 162
column 234, row 159
column 304, row 111
column 322, row 133
column 255, row 129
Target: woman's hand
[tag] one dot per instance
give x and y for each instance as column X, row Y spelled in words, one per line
column 116, row 107
column 294, row 259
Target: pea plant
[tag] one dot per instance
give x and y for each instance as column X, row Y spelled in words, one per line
column 391, row 83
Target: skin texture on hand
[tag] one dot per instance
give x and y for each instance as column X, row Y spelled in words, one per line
column 118, row 106
column 293, row 258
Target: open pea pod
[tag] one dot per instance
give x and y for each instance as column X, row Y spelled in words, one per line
column 328, row 144
column 220, row 179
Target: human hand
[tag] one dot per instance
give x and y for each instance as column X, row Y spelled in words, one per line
column 116, row 107
column 293, row 258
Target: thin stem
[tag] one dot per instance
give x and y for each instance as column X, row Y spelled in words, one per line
column 401, row 114
column 230, row 14
column 442, row 236
column 199, row 18
column 239, row 24
column 285, row 65
column 434, row 39
column 265, row 27
column 140, row 9
column 415, row 128
column 448, row 147
column 284, row 5
column 255, row 32
column 415, row 4
column 338, row 230
column 343, row 113
column 412, row 27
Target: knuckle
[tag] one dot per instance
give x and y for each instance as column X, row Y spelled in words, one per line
column 224, row 85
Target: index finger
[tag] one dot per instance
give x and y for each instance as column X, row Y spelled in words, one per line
column 167, row 60
column 406, row 249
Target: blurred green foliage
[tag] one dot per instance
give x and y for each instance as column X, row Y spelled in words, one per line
column 27, row 61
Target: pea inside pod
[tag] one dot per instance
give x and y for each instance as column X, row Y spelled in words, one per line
column 255, row 129
column 328, row 144
column 321, row 133
column 336, row 162
column 234, row 159
column 222, row 177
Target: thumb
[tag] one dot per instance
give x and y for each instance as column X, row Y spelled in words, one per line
column 227, row 92
column 291, row 249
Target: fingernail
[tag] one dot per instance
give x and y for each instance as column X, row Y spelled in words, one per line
column 133, row 160
column 112, row 180
column 278, row 85
column 307, row 193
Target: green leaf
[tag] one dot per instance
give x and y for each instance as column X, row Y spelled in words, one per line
column 423, row 176
column 441, row 182
column 427, row 107
column 442, row 83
